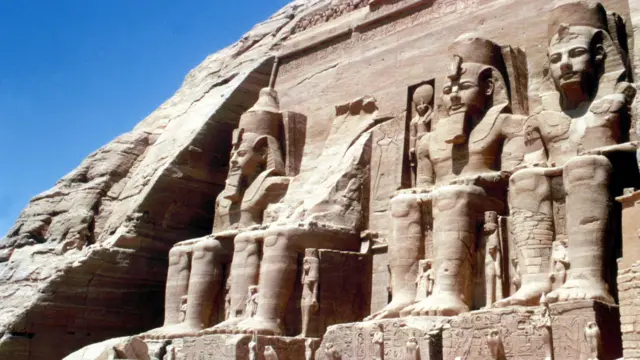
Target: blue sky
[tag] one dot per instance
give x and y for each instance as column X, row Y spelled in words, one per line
column 74, row 74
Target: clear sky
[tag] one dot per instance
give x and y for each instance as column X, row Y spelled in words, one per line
column 74, row 74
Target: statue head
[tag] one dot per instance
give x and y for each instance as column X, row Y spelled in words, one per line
column 422, row 99
column 253, row 289
column 256, row 147
column 476, row 82
column 576, row 52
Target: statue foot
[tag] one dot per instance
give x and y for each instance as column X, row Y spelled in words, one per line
column 171, row 332
column 225, row 327
column 259, row 325
column 444, row 304
column 391, row 311
column 527, row 295
column 581, row 289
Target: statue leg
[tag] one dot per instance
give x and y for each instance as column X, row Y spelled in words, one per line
column 456, row 211
column 204, row 284
column 532, row 230
column 278, row 271
column 176, row 288
column 245, row 267
column 586, row 180
column 404, row 254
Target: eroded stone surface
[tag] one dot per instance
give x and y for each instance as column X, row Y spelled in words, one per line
column 446, row 168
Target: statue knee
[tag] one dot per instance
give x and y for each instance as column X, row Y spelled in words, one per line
column 178, row 253
column 403, row 205
column 590, row 169
column 207, row 245
column 529, row 182
column 245, row 242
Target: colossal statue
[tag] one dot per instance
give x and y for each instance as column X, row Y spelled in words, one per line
column 582, row 118
column 322, row 212
column 255, row 180
column 462, row 161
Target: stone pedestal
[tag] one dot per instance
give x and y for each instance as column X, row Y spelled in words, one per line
column 367, row 340
column 569, row 321
column 465, row 336
column 518, row 328
column 236, row 347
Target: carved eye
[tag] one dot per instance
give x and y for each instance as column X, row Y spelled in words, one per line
column 466, row 85
column 242, row 153
column 555, row 58
column 447, row 90
column 577, row 52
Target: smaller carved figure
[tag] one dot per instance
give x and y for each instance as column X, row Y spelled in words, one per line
column 378, row 343
column 310, row 349
column 425, row 280
column 559, row 263
column 543, row 322
column 516, row 280
column 592, row 336
column 492, row 259
column 310, row 277
column 420, row 124
column 253, row 347
column 227, row 303
column 183, row 308
column 494, row 342
column 269, row 353
column 331, row 352
column 252, row 301
column 412, row 350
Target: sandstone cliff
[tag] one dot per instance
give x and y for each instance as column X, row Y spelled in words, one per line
column 86, row 260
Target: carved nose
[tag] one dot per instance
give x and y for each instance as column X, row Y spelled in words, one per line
column 566, row 67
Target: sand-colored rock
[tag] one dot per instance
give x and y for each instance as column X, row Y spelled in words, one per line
column 446, row 168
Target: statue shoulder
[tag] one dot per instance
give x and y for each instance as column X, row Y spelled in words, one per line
column 266, row 186
column 512, row 125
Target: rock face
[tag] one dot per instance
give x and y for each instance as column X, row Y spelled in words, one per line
column 445, row 169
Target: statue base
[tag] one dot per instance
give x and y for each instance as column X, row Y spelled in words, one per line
column 357, row 340
column 466, row 335
column 236, row 347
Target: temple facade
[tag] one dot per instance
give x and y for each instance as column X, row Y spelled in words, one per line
column 405, row 179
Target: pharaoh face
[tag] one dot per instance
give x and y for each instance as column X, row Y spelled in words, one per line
column 468, row 91
column 574, row 58
column 246, row 159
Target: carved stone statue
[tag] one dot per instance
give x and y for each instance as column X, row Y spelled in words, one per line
column 309, row 303
column 492, row 259
column 559, row 263
column 592, row 336
column 253, row 347
column 254, row 181
column 412, row 349
column 494, row 342
column 310, row 349
column 269, row 353
column 425, row 280
column 575, row 125
column 420, row 125
column 542, row 321
column 475, row 97
column 378, row 343
column 252, row 301
column 316, row 212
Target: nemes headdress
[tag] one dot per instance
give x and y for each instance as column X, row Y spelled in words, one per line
column 577, row 13
column 471, row 48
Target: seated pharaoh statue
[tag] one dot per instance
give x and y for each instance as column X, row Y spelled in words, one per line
column 565, row 197
column 255, row 179
column 463, row 163
column 322, row 209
